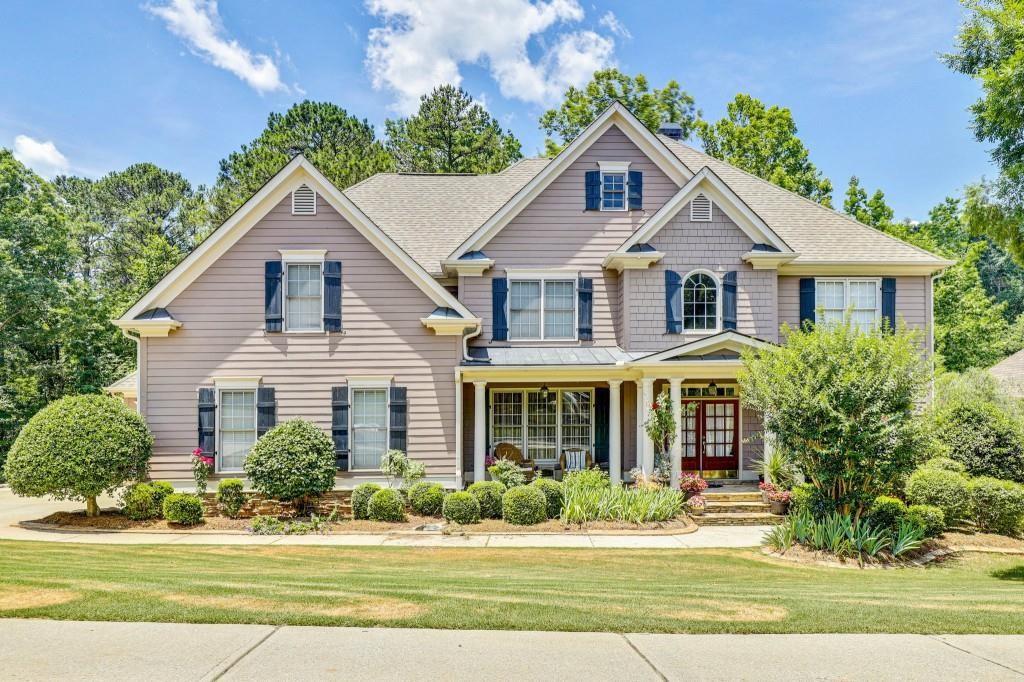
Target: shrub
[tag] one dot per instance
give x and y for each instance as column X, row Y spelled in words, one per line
column 230, row 496
column 386, row 505
column 524, row 506
column 426, row 498
column 138, row 502
column 507, row 473
column 928, row 517
column 983, row 437
column 488, row 494
column 77, row 448
column 633, row 505
column 998, row 505
column 945, row 464
column 267, row 525
column 360, row 498
column 461, row 507
column 183, row 508
column 293, row 460
column 886, row 512
column 946, row 490
column 161, row 489
column 396, row 464
column 586, row 478
column 553, row 494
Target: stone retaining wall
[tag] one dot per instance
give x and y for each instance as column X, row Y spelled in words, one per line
column 257, row 504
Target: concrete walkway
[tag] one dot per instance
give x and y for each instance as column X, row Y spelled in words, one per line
column 171, row 651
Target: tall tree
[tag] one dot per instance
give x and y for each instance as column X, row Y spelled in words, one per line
column 341, row 146
column 451, row 134
column 873, row 211
column 580, row 106
column 762, row 140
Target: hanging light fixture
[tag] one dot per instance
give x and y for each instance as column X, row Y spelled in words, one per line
column 544, row 392
column 713, row 388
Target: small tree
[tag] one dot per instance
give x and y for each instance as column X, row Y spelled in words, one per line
column 395, row 464
column 842, row 403
column 293, row 461
column 78, row 448
column 661, row 428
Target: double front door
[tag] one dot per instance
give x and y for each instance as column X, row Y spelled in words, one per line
column 711, row 442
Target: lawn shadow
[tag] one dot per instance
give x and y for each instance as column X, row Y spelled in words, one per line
column 1015, row 573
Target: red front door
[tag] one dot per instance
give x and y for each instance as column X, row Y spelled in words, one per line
column 711, row 436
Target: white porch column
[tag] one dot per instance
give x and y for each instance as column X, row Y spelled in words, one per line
column 676, row 394
column 639, row 435
column 479, row 429
column 646, row 401
column 614, row 431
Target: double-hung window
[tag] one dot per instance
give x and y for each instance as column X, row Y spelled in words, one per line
column 237, row 427
column 860, row 298
column 369, row 426
column 542, row 309
column 303, row 290
column 613, row 185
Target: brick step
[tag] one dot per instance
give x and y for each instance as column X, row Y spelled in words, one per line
column 729, row 506
column 737, row 519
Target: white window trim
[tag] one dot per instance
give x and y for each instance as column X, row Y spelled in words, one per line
column 616, row 167
column 523, row 444
column 362, row 383
column 544, row 276
column 718, row 304
column 877, row 281
column 234, row 384
column 301, row 257
column 711, row 210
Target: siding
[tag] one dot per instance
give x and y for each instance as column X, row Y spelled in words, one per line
column 222, row 335
column 555, row 231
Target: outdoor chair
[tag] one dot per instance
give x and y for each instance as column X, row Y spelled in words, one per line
column 514, row 454
column 572, row 460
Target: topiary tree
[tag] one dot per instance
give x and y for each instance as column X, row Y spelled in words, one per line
column 78, row 448
column 841, row 402
column 293, row 461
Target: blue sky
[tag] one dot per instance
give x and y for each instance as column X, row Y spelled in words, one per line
column 90, row 87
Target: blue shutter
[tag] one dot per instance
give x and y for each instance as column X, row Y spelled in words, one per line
column 585, row 299
column 332, row 296
column 601, row 407
column 339, row 425
column 729, row 301
column 266, row 410
column 398, row 423
column 499, row 305
column 593, row 190
column 636, row 190
column 673, row 302
column 806, row 301
column 208, row 421
column 272, row 296
column 889, row 301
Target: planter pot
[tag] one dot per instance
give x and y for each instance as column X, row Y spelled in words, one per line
column 780, row 508
column 696, row 511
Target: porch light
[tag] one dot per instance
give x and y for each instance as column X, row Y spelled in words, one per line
column 712, row 387
column 544, row 392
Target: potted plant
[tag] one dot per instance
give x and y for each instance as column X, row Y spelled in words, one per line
column 779, row 500
column 766, row 488
column 692, row 484
column 696, row 505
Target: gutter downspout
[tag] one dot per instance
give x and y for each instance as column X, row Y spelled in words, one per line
column 465, row 344
column 138, row 368
column 931, row 330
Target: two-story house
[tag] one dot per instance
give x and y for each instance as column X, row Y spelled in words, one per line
column 540, row 309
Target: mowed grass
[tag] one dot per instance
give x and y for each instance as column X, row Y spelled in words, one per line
column 705, row 591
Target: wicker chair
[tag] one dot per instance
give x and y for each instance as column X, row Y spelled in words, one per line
column 514, row 454
column 573, row 460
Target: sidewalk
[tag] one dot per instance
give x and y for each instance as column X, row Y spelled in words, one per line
column 89, row 651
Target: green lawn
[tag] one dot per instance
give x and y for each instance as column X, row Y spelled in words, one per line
column 538, row 589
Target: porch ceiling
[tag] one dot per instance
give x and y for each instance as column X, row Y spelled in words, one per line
column 549, row 356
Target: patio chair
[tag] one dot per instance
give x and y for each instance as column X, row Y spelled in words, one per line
column 514, row 454
column 573, row 459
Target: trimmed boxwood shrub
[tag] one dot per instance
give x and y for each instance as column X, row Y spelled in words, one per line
column 78, row 448
column 887, row 512
column 360, row 498
column 944, row 463
column 461, row 507
column 386, row 505
column 552, row 490
column 488, row 494
column 183, row 508
column 998, row 505
column 946, row 490
column 928, row 517
column 426, row 498
column 161, row 489
column 231, row 496
column 524, row 506
column 293, row 460
column 139, row 502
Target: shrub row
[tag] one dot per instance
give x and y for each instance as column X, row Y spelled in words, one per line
column 994, row 505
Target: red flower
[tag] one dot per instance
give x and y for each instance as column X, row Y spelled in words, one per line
column 654, row 405
column 198, row 452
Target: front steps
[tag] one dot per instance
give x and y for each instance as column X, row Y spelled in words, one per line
column 735, row 507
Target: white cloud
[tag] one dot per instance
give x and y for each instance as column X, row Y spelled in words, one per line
column 42, row 157
column 422, row 46
column 199, row 25
column 612, row 23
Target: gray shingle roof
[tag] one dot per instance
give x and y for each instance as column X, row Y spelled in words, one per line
column 1010, row 371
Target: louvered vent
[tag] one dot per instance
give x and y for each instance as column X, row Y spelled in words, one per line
column 700, row 209
column 304, row 201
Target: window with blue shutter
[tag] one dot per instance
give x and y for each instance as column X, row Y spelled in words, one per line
column 499, row 309
column 266, row 410
column 592, row 185
column 729, row 301
column 208, row 421
column 807, row 287
column 636, row 190
column 889, row 301
column 339, row 426
column 398, row 421
column 602, row 402
column 585, row 300
column 272, row 296
column 673, row 302
column 332, row 295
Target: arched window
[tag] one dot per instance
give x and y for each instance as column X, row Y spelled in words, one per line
column 700, row 302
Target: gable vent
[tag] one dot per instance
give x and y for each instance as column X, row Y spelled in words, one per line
column 700, row 209
column 304, row 201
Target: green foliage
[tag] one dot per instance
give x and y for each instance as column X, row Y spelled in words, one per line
column 871, row 211
column 507, row 472
column 945, row 464
column 451, row 134
column 998, row 505
column 842, row 404
column 231, row 496
column 426, row 498
column 928, row 517
column 660, row 424
column 183, row 508
column 762, row 140
column 524, row 506
column 461, row 508
column 139, row 502
column 395, row 464
column 984, row 438
column 161, row 489
column 908, row 537
column 79, row 447
column 488, row 494
column 552, row 493
column 586, row 478
column 778, row 468
column 581, row 106
column 887, row 512
column 293, row 460
column 386, row 505
column 360, row 498
column 946, row 490
column 802, row 499
column 267, row 525
column 585, row 503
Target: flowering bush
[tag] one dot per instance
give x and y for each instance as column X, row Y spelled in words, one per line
column 697, row 502
column 202, row 466
column 692, row 483
column 779, row 496
column 766, row 487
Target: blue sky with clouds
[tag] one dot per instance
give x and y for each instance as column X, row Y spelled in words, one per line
column 89, row 87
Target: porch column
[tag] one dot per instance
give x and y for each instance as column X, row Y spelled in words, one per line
column 479, row 429
column 646, row 401
column 614, row 431
column 676, row 394
column 639, row 435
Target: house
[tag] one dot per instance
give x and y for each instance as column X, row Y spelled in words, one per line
column 1010, row 373
column 542, row 307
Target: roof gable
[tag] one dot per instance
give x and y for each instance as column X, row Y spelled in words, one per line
column 727, row 342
